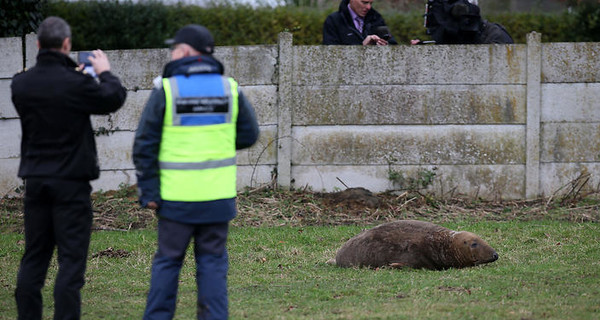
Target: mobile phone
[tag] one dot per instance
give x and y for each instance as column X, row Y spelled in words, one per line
column 84, row 58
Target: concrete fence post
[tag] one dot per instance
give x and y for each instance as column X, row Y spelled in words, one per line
column 31, row 50
column 284, row 113
column 534, row 73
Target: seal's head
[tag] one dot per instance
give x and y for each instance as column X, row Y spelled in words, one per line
column 471, row 250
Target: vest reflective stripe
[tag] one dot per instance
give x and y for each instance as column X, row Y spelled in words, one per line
column 198, row 165
column 197, row 151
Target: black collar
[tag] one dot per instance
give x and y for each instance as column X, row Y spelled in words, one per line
column 47, row 56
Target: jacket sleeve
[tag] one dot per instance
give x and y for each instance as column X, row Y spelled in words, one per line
column 378, row 21
column 495, row 33
column 103, row 96
column 393, row 41
column 330, row 31
column 247, row 126
column 146, row 147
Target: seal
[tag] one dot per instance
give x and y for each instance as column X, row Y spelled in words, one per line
column 414, row 244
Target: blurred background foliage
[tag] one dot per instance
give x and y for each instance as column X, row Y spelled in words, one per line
column 124, row 24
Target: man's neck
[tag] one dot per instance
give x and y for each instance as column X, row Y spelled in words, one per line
column 353, row 14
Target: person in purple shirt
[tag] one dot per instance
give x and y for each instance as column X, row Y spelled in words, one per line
column 356, row 23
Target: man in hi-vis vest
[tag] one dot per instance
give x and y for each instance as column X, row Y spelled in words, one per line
column 184, row 153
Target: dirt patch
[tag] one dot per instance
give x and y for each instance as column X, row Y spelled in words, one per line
column 120, row 210
column 455, row 289
column 352, row 198
column 111, row 253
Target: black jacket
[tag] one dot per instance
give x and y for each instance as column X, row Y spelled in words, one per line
column 339, row 28
column 54, row 102
column 494, row 33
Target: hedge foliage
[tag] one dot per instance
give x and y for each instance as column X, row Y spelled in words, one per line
column 123, row 24
column 19, row 17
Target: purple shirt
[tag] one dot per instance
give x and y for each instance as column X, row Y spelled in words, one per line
column 354, row 16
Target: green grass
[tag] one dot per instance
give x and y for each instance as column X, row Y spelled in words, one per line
column 547, row 270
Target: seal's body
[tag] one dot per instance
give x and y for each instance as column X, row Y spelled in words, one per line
column 414, row 244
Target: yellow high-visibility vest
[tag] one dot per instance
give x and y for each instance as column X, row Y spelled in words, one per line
column 197, row 151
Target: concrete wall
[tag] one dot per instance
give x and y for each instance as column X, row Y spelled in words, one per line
column 492, row 121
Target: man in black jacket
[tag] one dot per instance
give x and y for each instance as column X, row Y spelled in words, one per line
column 460, row 22
column 54, row 100
column 355, row 23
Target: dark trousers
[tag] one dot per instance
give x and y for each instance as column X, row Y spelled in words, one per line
column 211, row 269
column 57, row 213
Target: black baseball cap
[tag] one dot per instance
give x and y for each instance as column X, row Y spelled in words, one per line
column 197, row 36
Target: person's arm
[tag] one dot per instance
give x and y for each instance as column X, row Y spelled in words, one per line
column 391, row 40
column 247, row 125
column 375, row 22
column 496, row 33
column 107, row 96
column 330, row 32
column 145, row 150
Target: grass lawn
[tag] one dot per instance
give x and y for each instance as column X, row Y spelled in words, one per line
column 547, row 270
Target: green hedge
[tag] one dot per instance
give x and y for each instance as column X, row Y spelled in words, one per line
column 126, row 25
column 19, row 17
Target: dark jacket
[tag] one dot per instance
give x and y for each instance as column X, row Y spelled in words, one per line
column 494, row 33
column 54, row 102
column 147, row 143
column 339, row 28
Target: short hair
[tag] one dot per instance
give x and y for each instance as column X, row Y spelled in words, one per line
column 52, row 32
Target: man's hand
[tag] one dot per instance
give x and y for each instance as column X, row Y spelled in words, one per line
column 152, row 205
column 99, row 62
column 374, row 40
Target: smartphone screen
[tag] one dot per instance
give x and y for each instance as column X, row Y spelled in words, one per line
column 83, row 58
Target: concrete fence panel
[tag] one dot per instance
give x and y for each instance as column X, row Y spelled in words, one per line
column 7, row 111
column 491, row 121
column 249, row 65
column 571, row 62
column 409, row 104
column 473, row 64
column 12, row 57
column 414, row 145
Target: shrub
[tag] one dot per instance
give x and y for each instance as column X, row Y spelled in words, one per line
column 119, row 24
column 586, row 22
column 20, row 17
column 113, row 25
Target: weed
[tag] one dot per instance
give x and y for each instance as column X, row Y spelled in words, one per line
column 424, row 178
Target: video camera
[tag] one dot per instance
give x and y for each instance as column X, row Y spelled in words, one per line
column 383, row 32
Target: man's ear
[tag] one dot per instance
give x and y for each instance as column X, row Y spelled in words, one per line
column 66, row 46
column 186, row 51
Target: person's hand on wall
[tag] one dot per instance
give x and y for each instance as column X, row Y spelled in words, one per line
column 374, row 40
